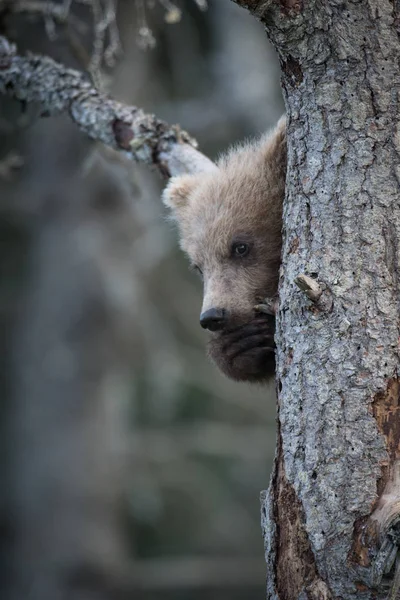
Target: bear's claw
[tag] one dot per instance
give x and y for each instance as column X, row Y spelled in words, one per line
column 268, row 306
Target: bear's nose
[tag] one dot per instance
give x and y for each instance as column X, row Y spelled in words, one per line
column 213, row 319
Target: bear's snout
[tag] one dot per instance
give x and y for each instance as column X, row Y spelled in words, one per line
column 213, row 319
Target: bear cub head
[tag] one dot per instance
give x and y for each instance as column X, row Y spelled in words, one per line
column 230, row 222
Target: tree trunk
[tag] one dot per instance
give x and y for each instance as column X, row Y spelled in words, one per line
column 330, row 515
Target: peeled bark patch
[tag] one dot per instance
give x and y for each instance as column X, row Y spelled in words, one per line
column 370, row 530
column 296, row 569
column 386, row 410
column 366, row 536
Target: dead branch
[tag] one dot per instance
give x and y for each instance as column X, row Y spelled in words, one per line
column 57, row 89
column 59, row 12
column 106, row 42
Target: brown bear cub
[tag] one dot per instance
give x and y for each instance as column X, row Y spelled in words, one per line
column 230, row 222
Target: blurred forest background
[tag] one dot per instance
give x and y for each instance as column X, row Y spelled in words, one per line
column 130, row 468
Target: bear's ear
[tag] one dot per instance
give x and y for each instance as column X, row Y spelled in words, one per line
column 273, row 144
column 175, row 195
column 281, row 127
column 277, row 137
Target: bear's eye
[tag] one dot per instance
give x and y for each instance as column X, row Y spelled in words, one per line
column 197, row 269
column 240, row 249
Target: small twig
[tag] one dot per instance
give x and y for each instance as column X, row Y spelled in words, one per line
column 114, row 48
column 49, row 22
column 145, row 38
column 309, row 286
column 98, row 43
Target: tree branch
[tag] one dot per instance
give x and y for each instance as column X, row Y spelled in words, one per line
column 57, row 89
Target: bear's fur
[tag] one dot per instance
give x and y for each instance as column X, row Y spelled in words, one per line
column 240, row 203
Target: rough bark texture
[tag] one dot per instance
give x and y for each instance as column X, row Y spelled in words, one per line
column 330, row 514
column 57, row 89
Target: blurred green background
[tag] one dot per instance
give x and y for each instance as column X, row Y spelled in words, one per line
column 131, row 468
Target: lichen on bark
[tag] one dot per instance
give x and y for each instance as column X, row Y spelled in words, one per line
column 57, row 89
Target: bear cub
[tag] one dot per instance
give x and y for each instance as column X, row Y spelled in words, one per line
column 230, row 222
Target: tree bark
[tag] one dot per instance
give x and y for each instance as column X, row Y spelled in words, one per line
column 329, row 518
